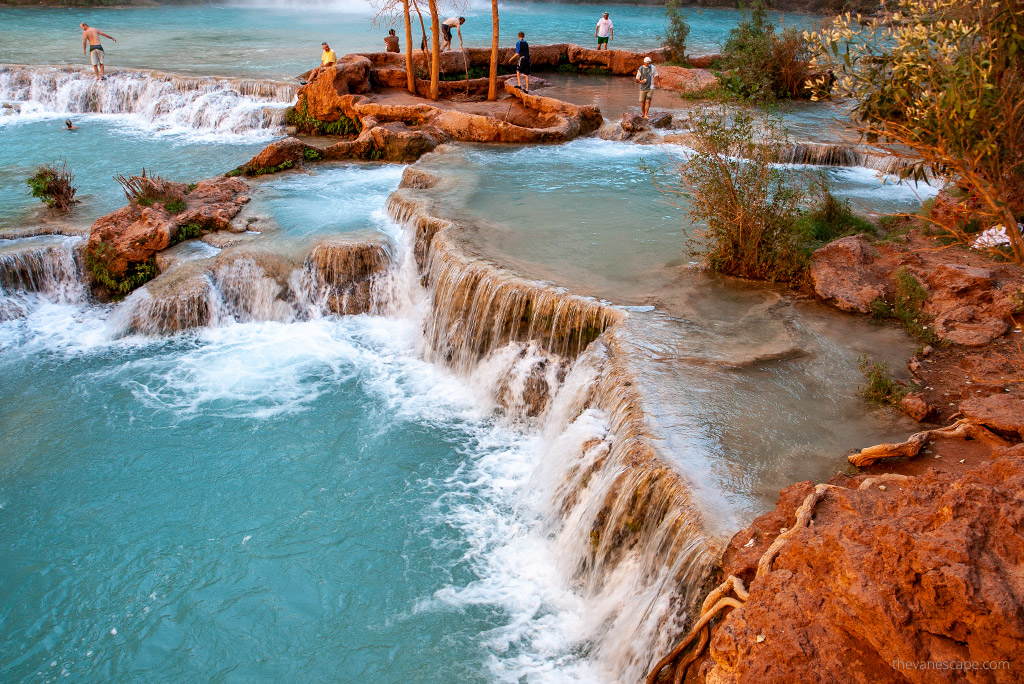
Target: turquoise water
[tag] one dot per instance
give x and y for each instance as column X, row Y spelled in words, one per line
column 343, row 198
column 102, row 147
column 587, row 212
column 263, row 502
column 283, row 39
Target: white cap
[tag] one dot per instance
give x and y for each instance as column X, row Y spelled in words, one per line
column 647, row 60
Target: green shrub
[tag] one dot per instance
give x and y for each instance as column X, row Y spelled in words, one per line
column 175, row 206
column 190, row 187
column 186, row 232
column 747, row 203
column 312, row 154
column 881, row 387
column 676, row 33
column 830, row 218
column 234, row 172
column 762, row 65
column 54, row 185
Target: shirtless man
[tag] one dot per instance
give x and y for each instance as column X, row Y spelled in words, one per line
column 91, row 38
column 446, row 31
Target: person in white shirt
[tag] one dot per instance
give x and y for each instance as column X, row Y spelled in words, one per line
column 646, row 77
column 604, row 31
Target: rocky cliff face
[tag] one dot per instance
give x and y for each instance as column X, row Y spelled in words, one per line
column 928, row 568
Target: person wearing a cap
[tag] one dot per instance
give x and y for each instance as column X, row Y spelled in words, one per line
column 604, row 31
column 646, row 76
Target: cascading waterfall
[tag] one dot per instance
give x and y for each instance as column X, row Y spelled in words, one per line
column 164, row 101
column 834, row 154
column 44, row 266
column 627, row 533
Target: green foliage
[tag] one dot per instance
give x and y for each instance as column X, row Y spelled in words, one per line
column 190, row 187
column 54, row 185
column 305, row 123
column 831, row 218
column 187, row 232
column 137, row 274
column 881, row 387
column 266, row 170
column 312, row 154
column 375, row 154
column 234, row 172
column 941, row 80
column 747, row 203
column 175, row 206
column 908, row 307
column 762, row 65
column 676, row 33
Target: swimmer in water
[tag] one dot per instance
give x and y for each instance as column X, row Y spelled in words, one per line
column 68, row 126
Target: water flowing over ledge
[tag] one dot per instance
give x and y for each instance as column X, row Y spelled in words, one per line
column 161, row 100
column 629, row 535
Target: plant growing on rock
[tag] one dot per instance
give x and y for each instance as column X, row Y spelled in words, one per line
column 939, row 83
column 54, row 185
column 881, row 387
column 146, row 190
column 676, row 33
column 748, row 205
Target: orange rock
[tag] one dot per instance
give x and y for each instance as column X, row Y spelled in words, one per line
column 682, row 80
column 844, row 275
column 926, row 570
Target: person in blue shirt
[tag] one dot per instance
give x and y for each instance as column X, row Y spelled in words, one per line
column 523, row 65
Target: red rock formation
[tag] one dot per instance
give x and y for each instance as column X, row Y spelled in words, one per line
column 927, row 569
column 133, row 234
column 682, row 80
column 844, row 274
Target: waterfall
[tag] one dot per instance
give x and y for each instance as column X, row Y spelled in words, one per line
column 161, row 100
column 335, row 277
column 43, row 266
column 627, row 534
column 836, row 154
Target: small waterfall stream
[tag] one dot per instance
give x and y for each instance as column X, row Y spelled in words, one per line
column 166, row 101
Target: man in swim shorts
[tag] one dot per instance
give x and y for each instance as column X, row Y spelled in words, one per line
column 91, row 37
column 646, row 76
column 604, row 31
column 523, row 65
column 446, row 31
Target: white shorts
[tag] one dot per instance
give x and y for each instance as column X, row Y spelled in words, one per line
column 96, row 55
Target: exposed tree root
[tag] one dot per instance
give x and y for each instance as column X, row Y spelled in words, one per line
column 912, row 447
column 718, row 600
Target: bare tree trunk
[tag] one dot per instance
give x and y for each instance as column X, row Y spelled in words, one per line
column 492, row 82
column 435, row 49
column 410, row 74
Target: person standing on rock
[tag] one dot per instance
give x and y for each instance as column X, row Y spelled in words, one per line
column 604, row 31
column 646, row 76
column 446, row 30
column 523, row 65
column 91, row 38
column 391, row 41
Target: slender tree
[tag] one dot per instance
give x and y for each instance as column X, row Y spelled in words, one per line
column 492, row 85
column 435, row 49
column 410, row 74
